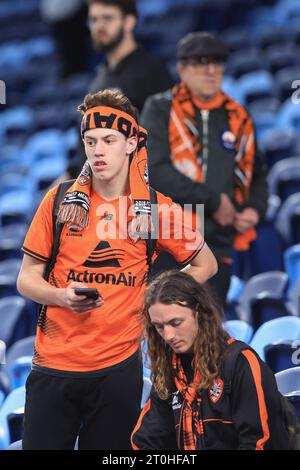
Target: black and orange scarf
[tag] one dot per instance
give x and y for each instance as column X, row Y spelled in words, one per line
column 74, row 209
column 190, row 422
column 185, row 146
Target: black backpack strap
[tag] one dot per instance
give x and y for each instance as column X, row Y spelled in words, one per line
column 57, row 229
column 151, row 241
column 230, row 358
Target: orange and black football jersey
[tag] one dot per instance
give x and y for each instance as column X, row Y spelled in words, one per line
column 101, row 256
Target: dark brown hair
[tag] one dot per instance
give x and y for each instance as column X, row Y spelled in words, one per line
column 112, row 98
column 128, row 7
column 177, row 287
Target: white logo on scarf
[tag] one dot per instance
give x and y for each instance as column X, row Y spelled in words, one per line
column 175, row 402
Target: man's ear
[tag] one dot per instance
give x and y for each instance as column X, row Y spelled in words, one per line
column 131, row 144
column 130, row 23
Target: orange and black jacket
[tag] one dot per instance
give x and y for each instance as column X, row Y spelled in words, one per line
column 165, row 178
column 242, row 411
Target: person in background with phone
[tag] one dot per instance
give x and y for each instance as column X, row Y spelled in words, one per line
column 87, row 374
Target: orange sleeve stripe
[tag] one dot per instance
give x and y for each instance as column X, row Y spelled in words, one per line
column 138, row 424
column 256, row 372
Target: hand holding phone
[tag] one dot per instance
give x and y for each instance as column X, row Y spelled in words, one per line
column 89, row 292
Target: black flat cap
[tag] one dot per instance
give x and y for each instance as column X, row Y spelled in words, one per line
column 201, row 44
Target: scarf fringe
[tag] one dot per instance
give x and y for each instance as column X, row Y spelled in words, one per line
column 74, row 216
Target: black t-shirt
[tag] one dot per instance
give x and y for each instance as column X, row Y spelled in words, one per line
column 139, row 75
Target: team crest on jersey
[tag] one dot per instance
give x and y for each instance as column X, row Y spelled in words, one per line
column 228, row 140
column 215, row 391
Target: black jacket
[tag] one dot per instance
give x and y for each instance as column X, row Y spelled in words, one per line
column 220, row 170
column 245, row 413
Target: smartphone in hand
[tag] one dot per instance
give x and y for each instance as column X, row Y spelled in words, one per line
column 89, row 292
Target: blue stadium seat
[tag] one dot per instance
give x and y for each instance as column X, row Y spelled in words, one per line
column 239, row 329
column 274, row 330
column 146, row 391
column 288, row 383
column 293, row 299
column 2, row 396
column 278, row 144
column 235, row 289
column 264, row 307
column 287, row 12
column 9, row 269
column 266, row 252
column 284, row 178
column 146, row 360
column 281, row 56
column 16, row 207
column 289, row 115
column 288, row 220
column 245, row 61
column 45, row 172
column 292, row 264
column 11, row 321
column 281, row 354
column 271, row 284
column 19, row 371
column 18, row 361
column 13, row 404
column 45, row 145
column 256, row 85
column 23, row 347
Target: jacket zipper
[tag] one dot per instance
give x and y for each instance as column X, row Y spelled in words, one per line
column 205, row 116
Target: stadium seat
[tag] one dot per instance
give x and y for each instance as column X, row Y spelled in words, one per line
column 268, row 241
column 13, row 404
column 274, row 330
column 289, row 115
column 288, row 383
column 245, row 61
column 280, row 56
column 288, row 220
column 292, row 264
column 256, row 85
column 18, row 361
column 146, row 360
column 278, row 144
column 9, row 270
column 11, row 324
column 271, row 284
column 2, row 396
column 146, row 391
column 293, row 299
column 239, row 329
column 282, row 354
column 287, row 12
column 284, row 178
column 16, row 207
column 264, row 307
column 235, row 289
column 19, row 371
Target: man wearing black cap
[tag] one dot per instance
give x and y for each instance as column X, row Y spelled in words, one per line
column 202, row 150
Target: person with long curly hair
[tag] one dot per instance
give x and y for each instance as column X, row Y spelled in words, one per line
column 209, row 391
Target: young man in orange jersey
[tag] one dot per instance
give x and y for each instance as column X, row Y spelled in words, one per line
column 87, row 375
